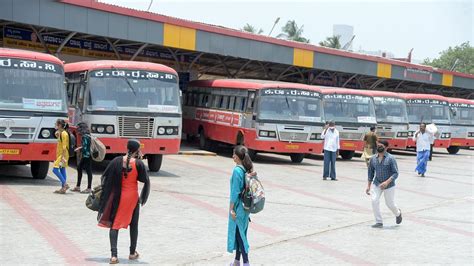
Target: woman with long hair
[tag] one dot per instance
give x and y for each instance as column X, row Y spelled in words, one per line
column 238, row 217
column 119, row 202
column 85, row 161
column 62, row 154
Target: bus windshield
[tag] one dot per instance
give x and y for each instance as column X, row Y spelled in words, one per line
column 289, row 105
column 133, row 90
column 463, row 115
column 389, row 109
column 349, row 108
column 27, row 85
column 428, row 113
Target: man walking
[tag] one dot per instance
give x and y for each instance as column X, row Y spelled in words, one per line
column 331, row 146
column 383, row 171
column 370, row 147
column 423, row 140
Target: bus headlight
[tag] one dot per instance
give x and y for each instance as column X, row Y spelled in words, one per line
column 470, row 134
column 446, row 135
column 402, row 134
column 110, row 129
column 315, row 136
column 169, row 131
column 47, row 133
column 102, row 129
column 161, row 131
column 267, row 134
column 411, row 133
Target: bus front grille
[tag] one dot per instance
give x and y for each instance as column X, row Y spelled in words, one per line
column 135, row 127
column 293, row 136
column 17, row 133
column 350, row 135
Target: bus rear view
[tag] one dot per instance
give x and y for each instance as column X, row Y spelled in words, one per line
column 353, row 112
column 462, row 124
column 32, row 98
column 120, row 100
column 429, row 108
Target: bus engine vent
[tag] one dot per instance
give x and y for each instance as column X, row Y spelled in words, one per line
column 135, row 127
column 350, row 135
column 293, row 136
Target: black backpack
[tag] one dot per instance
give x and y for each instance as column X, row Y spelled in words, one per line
column 72, row 143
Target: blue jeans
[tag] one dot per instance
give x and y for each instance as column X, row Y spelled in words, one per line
column 329, row 164
column 61, row 174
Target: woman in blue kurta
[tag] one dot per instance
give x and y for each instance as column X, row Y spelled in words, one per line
column 238, row 217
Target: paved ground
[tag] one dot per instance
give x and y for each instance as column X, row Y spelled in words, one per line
column 306, row 221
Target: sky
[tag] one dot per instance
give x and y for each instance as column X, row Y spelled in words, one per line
column 393, row 26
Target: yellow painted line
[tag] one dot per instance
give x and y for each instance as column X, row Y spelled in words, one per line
column 447, row 80
column 303, row 58
column 384, row 70
column 197, row 153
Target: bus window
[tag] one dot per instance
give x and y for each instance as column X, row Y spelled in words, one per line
column 251, row 101
column 231, row 103
column 71, row 95
column 224, row 102
column 217, row 101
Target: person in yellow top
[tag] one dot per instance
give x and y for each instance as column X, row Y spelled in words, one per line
column 62, row 155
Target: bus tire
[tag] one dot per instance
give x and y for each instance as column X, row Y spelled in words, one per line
column 453, row 149
column 347, row 155
column 205, row 143
column 154, row 162
column 297, row 157
column 39, row 169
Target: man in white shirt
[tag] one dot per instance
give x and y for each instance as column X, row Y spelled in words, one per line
column 331, row 146
column 423, row 140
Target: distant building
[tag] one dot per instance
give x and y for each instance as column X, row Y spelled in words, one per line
column 345, row 31
column 380, row 53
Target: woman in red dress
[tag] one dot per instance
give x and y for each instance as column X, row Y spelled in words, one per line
column 120, row 203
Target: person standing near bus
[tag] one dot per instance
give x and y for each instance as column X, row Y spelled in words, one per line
column 85, row 158
column 370, row 147
column 331, row 147
column 62, row 154
column 423, row 140
column 119, row 203
column 382, row 173
column 238, row 217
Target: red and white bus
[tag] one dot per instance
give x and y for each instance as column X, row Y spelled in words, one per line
column 265, row 116
column 120, row 100
column 32, row 98
column 462, row 124
column 354, row 114
column 429, row 108
column 392, row 119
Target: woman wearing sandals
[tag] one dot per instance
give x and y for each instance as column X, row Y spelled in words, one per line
column 238, row 217
column 119, row 202
column 85, row 158
column 62, row 155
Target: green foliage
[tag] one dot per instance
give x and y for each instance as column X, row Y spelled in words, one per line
column 464, row 53
column 252, row 29
column 332, row 42
column 292, row 32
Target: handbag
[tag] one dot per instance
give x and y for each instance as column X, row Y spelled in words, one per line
column 93, row 200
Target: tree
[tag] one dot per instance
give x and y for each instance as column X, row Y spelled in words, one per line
column 251, row 29
column 464, row 53
column 292, row 32
column 332, row 42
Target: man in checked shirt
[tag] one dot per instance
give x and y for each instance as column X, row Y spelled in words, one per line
column 383, row 171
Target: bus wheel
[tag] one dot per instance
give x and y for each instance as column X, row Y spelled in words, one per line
column 190, row 138
column 297, row 157
column 39, row 169
column 154, row 162
column 453, row 149
column 347, row 155
column 204, row 142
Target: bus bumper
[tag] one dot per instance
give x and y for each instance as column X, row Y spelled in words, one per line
column 352, row 145
column 148, row 146
column 285, row 147
column 444, row 143
column 461, row 142
column 396, row 143
column 25, row 152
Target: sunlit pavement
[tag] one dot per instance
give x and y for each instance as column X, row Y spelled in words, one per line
column 305, row 221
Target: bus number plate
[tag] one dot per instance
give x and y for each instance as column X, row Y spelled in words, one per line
column 292, row 147
column 348, row 145
column 10, row 151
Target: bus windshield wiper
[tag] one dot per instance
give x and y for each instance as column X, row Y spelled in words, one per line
column 127, row 81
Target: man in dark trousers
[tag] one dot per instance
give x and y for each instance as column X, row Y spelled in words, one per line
column 383, row 171
column 331, row 147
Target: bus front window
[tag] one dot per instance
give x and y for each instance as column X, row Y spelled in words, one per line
column 391, row 110
column 289, row 108
column 31, row 86
column 426, row 113
column 133, row 90
column 464, row 116
column 349, row 108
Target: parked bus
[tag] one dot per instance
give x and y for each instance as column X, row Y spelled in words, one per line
column 32, row 98
column 354, row 114
column 120, row 100
column 462, row 124
column 265, row 116
column 428, row 108
column 392, row 119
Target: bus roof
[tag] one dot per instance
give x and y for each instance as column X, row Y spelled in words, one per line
column 459, row 100
column 330, row 90
column 117, row 64
column 408, row 96
column 23, row 54
column 250, row 84
column 386, row 94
